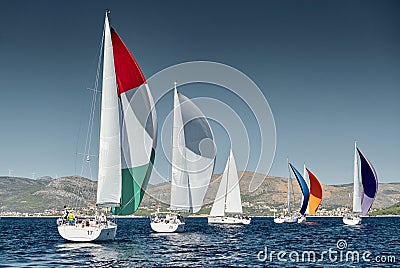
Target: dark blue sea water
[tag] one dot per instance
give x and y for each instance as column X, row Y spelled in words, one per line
column 35, row 243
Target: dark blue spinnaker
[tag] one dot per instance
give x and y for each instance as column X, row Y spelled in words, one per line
column 369, row 182
column 304, row 189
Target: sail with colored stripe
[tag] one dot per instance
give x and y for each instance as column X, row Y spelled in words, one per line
column 315, row 193
column 193, row 155
column 304, row 189
column 369, row 181
column 137, row 127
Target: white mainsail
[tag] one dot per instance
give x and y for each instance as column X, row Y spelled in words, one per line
column 228, row 198
column 218, row 208
column 193, row 155
column 109, row 175
column 180, row 181
column 357, row 184
column 233, row 200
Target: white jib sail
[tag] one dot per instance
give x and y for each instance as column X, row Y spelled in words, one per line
column 233, row 203
column 218, row 208
column 228, row 198
column 180, row 195
column 109, row 175
column 357, row 184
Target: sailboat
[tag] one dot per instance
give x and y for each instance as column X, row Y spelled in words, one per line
column 228, row 198
column 124, row 165
column 292, row 218
column 364, row 191
column 193, row 156
column 315, row 195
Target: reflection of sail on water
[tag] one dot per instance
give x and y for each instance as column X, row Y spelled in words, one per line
column 193, row 155
column 98, row 253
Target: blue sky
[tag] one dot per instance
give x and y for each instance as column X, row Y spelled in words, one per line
column 330, row 71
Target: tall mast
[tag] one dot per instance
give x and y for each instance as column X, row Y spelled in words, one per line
column 181, row 199
column 357, row 184
column 288, row 201
column 307, row 179
column 227, row 179
column 109, row 175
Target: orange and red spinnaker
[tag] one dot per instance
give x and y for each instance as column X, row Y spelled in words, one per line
column 315, row 193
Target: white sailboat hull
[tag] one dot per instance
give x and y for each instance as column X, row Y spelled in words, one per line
column 228, row 220
column 302, row 219
column 286, row 219
column 81, row 233
column 351, row 220
column 163, row 227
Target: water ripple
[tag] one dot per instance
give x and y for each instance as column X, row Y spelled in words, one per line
column 36, row 243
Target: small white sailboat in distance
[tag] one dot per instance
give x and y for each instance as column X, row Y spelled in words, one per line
column 289, row 217
column 364, row 191
column 167, row 222
column 191, row 168
column 123, row 171
column 228, row 198
column 315, row 197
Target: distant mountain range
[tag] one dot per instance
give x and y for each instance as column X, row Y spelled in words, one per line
column 28, row 195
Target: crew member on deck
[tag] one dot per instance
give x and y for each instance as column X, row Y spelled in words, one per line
column 65, row 214
column 71, row 218
column 103, row 218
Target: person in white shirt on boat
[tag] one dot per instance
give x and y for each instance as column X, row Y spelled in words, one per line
column 102, row 218
column 65, row 212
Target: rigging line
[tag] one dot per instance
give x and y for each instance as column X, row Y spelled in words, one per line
column 93, row 107
column 293, row 194
column 88, row 133
column 96, row 85
column 80, row 122
column 289, row 188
